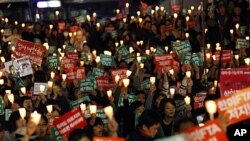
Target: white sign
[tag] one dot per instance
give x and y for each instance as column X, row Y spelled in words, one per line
column 37, row 88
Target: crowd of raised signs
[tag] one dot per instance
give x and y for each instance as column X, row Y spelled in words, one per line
column 136, row 77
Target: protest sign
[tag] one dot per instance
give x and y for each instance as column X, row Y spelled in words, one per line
column 77, row 102
column 80, row 73
column 232, row 80
column 103, row 83
column 106, row 60
column 242, row 43
column 100, row 113
column 72, row 55
column 53, row 61
column 181, row 46
column 186, row 58
column 87, row 84
column 123, row 50
column 199, row 101
column 226, row 56
column 70, row 121
column 162, row 61
column 236, row 106
column 211, row 131
column 80, row 19
column 71, row 74
column 120, row 72
column 67, row 63
column 54, row 134
column 97, row 72
column 37, row 91
column 196, row 59
column 34, row 51
column 19, row 67
column 70, row 49
column 131, row 99
column 108, row 139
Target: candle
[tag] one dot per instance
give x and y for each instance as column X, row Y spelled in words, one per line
column 187, row 100
column 109, row 93
column 83, row 107
column 7, row 91
column 138, row 54
column 42, row 88
column 52, row 75
column 147, row 52
column 236, row 56
column 117, row 78
column 117, row 11
column 162, row 8
column 6, row 20
column 206, row 30
column 237, row 26
column 140, row 20
column 152, row 49
column 94, row 14
column 51, row 26
column 171, row 71
column 138, row 13
column 124, row 20
column 156, row 8
column 1, row 74
column 141, row 65
column 172, row 91
column 11, row 97
column 23, row 90
column 208, row 55
column 215, row 83
column 116, row 44
column 211, row 108
column 175, row 15
column 94, row 53
column 70, row 34
column 166, row 49
column 98, row 25
column 187, row 18
column 132, row 17
column 57, row 12
column 192, row 7
column 247, row 38
column 2, row 59
column 231, row 31
column 152, row 12
column 131, row 49
column 74, row 33
column 121, row 42
column 50, row 84
column 152, row 80
column 35, row 117
column 208, row 46
column 1, row 81
column 22, row 112
column 125, row 82
column 128, row 73
column 138, row 59
column 188, row 74
column 49, row 108
column 186, row 35
column 81, row 63
column 88, row 17
column 97, row 59
column 189, row 11
column 141, row 42
column 127, row 5
column 247, row 61
column 16, row 23
column 214, row 57
column 109, row 112
column 93, row 109
column 23, row 25
column 64, row 76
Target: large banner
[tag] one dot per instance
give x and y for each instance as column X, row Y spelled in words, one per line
column 232, row 80
column 34, row 51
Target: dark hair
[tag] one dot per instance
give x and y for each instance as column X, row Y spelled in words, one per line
column 135, row 105
column 77, row 134
column 162, row 105
column 149, row 118
column 178, row 123
column 15, row 116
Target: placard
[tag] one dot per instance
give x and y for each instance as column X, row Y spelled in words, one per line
column 196, row 59
column 181, row 46
column 72, row 55
column 103, row 83
column 186, row 58
column 100, row 113
column 67, row 63
column 120, row 72
column 97, row 72
column 37, row 88
column 123, row 50
column 34, row 51
column 242, row 43
column 52, row 49
column 53, row 61
column 106, row 60
column 226, row 56
column 80, row 73
column 199, row 101
column 87, row 84
column 77, row 102
column 145, row 84
column 70, row 121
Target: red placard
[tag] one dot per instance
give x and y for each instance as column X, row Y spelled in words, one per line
column 34, row 51
column 226, row 56
column 107, row 139
column 72, row 55
column 68, row 122
column 68, row 63
column 236, row 106
column 74, row 28
column 232, row 80
column 211, row 131
column 103, row 82
column 71, row 74
column 80, row 73
column 119, row 72
column 167, row 61
column 199, row 101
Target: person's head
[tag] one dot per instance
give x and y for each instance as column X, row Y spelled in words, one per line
column 15, row 121
column 42, row 127
column 141, row 96
column 184, row 124
column 97, row 128
column 149, row 123
column 137, row 107
column 157, row 99
column 167, row 108
column 162, row 28
column 27, row 103
column 237, row 10
column 78, row 135
column 86, row 48
column 147, row 25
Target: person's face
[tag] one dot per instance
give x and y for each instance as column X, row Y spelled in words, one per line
column 222, row 10
column 151, row 131
column 141, row 98
column 139, row 109
column 28, row 105
column 162, row 28
column 179, row 23
column 169, row 110
column 85, row 49
column 185, row 126
column 41, row 128
column 237, row 11
column 98, row 130
column 158, row 101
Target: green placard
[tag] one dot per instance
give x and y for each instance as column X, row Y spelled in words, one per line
column 131, row 99
column 87, row 84
column 79, row 101
column 186, row 58
column 145, row 84
column 70, row 49
column 181, row 46
column 196, row 59
column 106, row 60
column 52, row 49
column 1, row 106
column 242, row 43
column 97, row 72
column 100, row 113
column 123, row 51
column 53, row 61
column 80, row 19
column 243, row 29
column 159, row 51
column 54, row 134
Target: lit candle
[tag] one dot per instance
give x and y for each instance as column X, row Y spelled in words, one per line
column 187, row 100
column 125, row 82
column 187, row 18
column 57, row 12
column 81, row 63
column 211, row 108
column 152, row 12
column 116, row 44
column 208, row 46
column 23, row 25
column 237, row 26
column 64, row 47
column 64, row 76
column 208, row 55
column 189, row 11
column 1, row 81
column 22, row 112
column 139, row 59
column 166, row 49
column 138, row 13
column 206, row 30
column 141, row 65
column 94, row 14
column 131, row 49
column 231, row 31
column 2, row 59
column 98, row 25
column 132, row 17
column 152, row 80
column 83, row 107
column 140, row 20
column 187, row 35
column 117, row 11
column 11, row 98
column 124, row 20
column 175, row 15
column 88, row 17
column 16, row 22
column 138, row 54
column 147, row 52
column 192, row 7
column 7, row 91
column 162, row 8
column 236, row 56
column 49, row 108
column 70, row 34
column 141, row 42
column 94, row 53
column 1, row 74
column 92, row 109
column 171, row 71
column 172, row 91
column 121, row 42
column 109, row 112
column 51, row 26
column 127, row 5
column 109, row 93
column 23, row 90
column 247, row 38
column 50, row 84
column 247, row 61
column 97, row 59
column 128, row 73
column 117, row 78
column 156, row 8
column 35, row 117
column 188, row 74
column 42, row 88
column 214, row 57
column 215, row 83
column 75, row 33
column 52, row 75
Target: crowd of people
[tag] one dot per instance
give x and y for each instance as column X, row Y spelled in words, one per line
column 151, row 103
